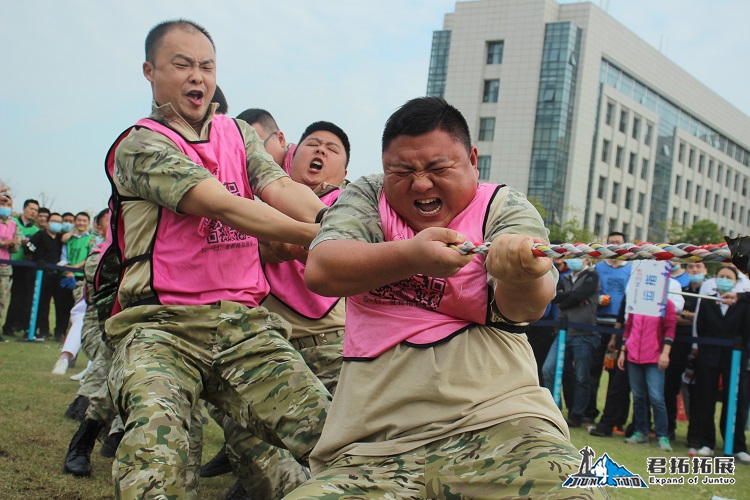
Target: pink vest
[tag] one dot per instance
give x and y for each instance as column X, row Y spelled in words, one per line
column 198, row 261
column 421, row 311
column 287, row 280
column 7, row 232
column 288, row 157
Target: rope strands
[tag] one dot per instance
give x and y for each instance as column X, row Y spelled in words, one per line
column 680, row 252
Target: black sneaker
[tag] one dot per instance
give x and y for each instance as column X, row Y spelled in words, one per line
column 574, row 421
column 218, row 465
column 599, row 432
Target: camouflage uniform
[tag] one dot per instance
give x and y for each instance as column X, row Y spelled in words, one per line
column 523, row 458
column 6, row 272
column 168, row 357
column 463, row 418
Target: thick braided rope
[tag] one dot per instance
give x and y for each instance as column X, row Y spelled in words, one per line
column 679, row 252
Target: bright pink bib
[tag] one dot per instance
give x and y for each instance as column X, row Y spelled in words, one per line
column 199, row 261
column 287, row 280
column 7, row 232
column 421, row 311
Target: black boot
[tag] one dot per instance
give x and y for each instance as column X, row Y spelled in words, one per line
column 78, row 459
column 77, row 409
column 218, row 465
column 110, row 444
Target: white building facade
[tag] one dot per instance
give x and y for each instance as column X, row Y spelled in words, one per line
column 569, row 106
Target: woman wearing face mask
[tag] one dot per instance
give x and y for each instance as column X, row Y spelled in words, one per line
column 718, row 320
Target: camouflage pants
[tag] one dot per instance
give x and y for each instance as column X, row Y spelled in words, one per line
column 167, row 357
column 266, row 471
column 522, row 458
column 98, row 352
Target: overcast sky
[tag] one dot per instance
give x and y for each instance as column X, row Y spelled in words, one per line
column 72, row 78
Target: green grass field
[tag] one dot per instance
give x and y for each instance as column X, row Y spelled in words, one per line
column 34, row 437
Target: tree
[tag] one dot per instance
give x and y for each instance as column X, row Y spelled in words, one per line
column 703, row 232
column 571, row 231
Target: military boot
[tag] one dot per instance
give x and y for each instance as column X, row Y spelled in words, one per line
column 78, row 459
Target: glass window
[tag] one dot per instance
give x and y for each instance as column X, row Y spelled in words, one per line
column 674, row 214
column 707, row 201
column 724, row 206
column 610, row 117
column 716, row 203
column 623, row 120
column 734, row 210
column 486, row 129
column 605, row 151
column 719, row 172
column 598, row 224
column 681, row 153
column 628, row 198
column 641, row 202
column 701, row 163
column 677, row 184
column 631, row 163
column 697, row 194
column 548, row 95
column 495, row 52
column 744, row 186
column 742, row 215
column 636, row 128
column 710, row 168
column 644, row 169
column 638, row 232
column 625, row 228
column 618, row 157
column 483, row 165
column 612, row 224
column 649, row 133
column 602, row 192
column 688, row 188
column 615, row 192
column 728, row 178
column 691, row 158
column 491, row 90
column 684, row 218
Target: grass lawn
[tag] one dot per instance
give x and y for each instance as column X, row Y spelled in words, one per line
column 34, row 437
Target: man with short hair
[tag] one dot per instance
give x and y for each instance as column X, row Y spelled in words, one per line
column 273, row 138
column 191, row 326
column 436, row 367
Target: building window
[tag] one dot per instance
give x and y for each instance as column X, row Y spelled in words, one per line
column 684, row 218
column 681, row 153
column 701, row 163
column 695, row 219
column 495, row 52
column 734, row 210
column 691, row 158
column 605, row 151
column 486, row 129
column 710, row 168
column 697, row 194
column 644, row 169
column 610, row 117
column 491, row 90
column 598, row 224
column 674, row 214
column 628, row 198
column 441, row 45
column 625, row 228
column 707, row 201
column 631, row 163
column 638, row 232
column 618, row 157
column 641, row 202
column 719, row 172
column 602, row 192
column 728, row 178
column 724, row 207
column 688, row 189
column 623, row 120
column 483, row 165
column 736, row 182
column 649, row 133
column 636, row 127
column 716, row 203
column 615, row 193
column 744, row 186
column 548, row 95
column 742, row 215
column 677, row 184
column 612, row 224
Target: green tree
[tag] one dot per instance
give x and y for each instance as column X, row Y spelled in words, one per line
column 703, row 232
column 571, row 231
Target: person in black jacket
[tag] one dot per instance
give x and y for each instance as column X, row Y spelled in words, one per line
column 720, row 320
column 577, row 298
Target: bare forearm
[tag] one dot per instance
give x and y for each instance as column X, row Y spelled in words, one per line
column 293, row 199
column 526, row 301
column 340, row 268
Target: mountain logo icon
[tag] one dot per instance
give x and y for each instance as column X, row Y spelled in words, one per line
column 603, row 472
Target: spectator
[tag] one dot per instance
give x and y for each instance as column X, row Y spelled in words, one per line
column 577, row 297
column 274, row 140
column 10, row 239
column 721, row 321
column 22, row 289
column 647, row 341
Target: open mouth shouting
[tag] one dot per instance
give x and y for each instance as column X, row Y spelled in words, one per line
column 195, row 97
column 316, row 164
column 428, row 206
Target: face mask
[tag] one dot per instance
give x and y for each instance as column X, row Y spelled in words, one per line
column 67, row 227
column 575, row 265
column 696, row 278
column 724, row 285
column 675, row 266
column 5, row 212
column 55, row 227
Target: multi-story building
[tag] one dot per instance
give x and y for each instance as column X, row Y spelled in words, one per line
column 569, row 106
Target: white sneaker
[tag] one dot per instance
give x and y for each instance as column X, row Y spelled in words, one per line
column 79, row 376
column 60, row 367
column 742, row 457
column 705, row 451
